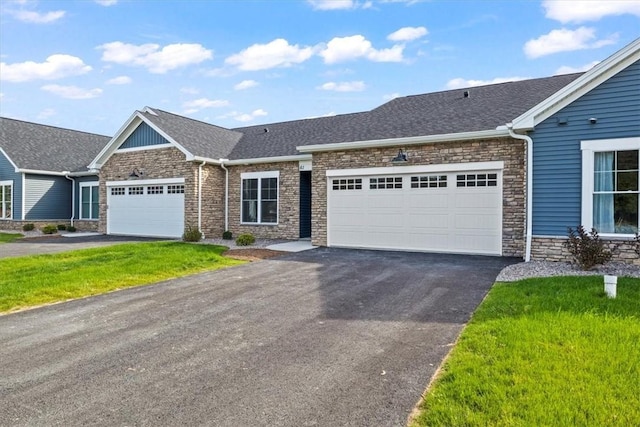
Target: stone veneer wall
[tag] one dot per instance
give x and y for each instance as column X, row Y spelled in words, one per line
column 509, row 150
column 288, row 226
column 170, row 163
column 553, row 249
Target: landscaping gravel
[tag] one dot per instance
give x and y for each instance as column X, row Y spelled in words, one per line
column 231, row 244
column 526, row 270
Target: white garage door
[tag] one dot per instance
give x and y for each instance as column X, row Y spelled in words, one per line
column 146, row 208
column 458, row 211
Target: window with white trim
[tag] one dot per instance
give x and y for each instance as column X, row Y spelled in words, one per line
column 6, row 196
column 259, row 203
column 611, row 197
column 89, row 200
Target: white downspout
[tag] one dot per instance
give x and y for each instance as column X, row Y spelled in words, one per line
column 529, row 198
column 200, row 198
column 226, row 194
column 73, row 197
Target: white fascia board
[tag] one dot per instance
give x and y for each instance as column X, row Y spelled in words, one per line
column 579, row 87
column 137, row 182
column 277, row 159
column 204, row 159
column 398, row 170
column 41, row 172
column 83, row 173
column 412, row 140
column 15, row 167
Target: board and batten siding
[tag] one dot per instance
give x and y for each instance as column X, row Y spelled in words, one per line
column 47, row 197
column 143, row 136
column 557, row 159
column 8, row 173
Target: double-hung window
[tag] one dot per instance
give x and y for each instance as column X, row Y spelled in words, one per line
column 611, row 185
column 89, row 200
column 6, row 195
column 260, row 197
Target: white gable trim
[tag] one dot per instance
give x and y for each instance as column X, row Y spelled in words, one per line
column 579, row 87
column 126, row 130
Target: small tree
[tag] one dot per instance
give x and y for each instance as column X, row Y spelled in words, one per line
column 586, row 248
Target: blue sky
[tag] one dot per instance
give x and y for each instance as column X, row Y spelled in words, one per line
column 88, row 64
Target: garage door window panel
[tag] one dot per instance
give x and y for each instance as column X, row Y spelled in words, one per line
column 347, row 184
column 429, row 181
column 260, row 198
column 136, row 191
column 391, row 182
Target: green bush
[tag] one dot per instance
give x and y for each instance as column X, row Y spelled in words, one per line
column 50, row 229
column 586, row 248
column 192, row 234
column 245, row 240
column 28, row 227
column 62, row 227
column 71, row 229
column 227, row 235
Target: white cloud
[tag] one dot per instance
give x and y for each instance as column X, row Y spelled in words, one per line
column 72, row 92
column 152, row 57
column 353, row 47
column 588, row 10
column 249, row 117
column 408, row 34
column 120, row 80
column 106, row 2
column 390, row 96
column 357, row 86
column 46, row 113
column 332, row 4
column 569, row 70
column 329, row 114
column 277, row 53
column 190, row 90
column 55, row 67
column 564, row 40
column 459, row 83
column 37, row 17
column 245, row 84
column 202, row 103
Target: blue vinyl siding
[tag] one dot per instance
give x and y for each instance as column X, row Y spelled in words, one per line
column 557, row 159
column 143, row 136
column 76, row 206
column 8, row 173
column 47, row 197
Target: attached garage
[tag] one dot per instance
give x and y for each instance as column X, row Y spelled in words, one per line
column 146, row 207
column 442, row 208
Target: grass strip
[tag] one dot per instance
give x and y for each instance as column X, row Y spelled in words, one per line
column 9, row 237
column 544, row 352
column 42, row 279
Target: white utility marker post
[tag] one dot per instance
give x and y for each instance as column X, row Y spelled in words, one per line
column 610, row 283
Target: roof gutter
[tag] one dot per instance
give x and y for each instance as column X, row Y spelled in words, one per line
column 276, row 159
column 53, row 173
column 529, row 197
column 412, row 140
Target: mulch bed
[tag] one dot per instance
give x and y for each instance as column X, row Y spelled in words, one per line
column 252, row 254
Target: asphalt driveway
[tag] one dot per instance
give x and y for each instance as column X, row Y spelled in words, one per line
column 327, row 337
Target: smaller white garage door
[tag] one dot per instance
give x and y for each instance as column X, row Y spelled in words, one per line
column 146, row 208
column 457, row 209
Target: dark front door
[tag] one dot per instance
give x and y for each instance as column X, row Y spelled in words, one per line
column 305, row 204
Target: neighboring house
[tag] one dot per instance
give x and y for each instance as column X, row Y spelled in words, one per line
column 586, row 147
column 44, row 176
column 500, row 169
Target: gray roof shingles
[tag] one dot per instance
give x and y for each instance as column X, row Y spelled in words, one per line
column 199, row 138
column 47, row 148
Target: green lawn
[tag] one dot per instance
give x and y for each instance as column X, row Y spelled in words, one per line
column 41, row 279
column 544, row 352
column 9, row 237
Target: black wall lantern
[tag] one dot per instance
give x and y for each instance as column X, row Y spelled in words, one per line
column 136, row 173
column 400, row 158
